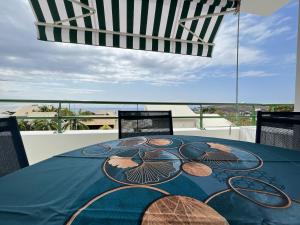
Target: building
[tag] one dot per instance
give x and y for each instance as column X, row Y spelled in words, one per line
column 215, row 122
column 33, row 111
column 105, row 123
column 178, row 111
column 26, row 110
column 42, row 114
column 191, row 120
column 96, row 124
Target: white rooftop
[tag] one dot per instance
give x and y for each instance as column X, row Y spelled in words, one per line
column 185, row 111
column 177, row 110
column 215, row 122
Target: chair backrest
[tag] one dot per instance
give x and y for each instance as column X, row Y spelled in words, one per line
column 281, row 129
column 12, row 152
column 141, row 123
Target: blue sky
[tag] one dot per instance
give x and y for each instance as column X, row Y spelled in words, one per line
column 41, row 70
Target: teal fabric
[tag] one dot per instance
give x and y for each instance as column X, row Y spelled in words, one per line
column 110, row 192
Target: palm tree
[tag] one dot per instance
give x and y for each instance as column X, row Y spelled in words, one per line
column 44, row 125
column 66, row 112
column 67, row 124
column 75, row 124
column 47, row 108
column 24, row 125
column 85, row 113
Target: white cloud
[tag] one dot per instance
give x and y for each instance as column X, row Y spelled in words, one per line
column 242, row 74
column 255, row 31
column 290, row 58
column 256, row 74
column 32, row 64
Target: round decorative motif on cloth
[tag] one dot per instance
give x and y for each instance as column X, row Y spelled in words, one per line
column 131, row 142
column 122, row 162
column 219, row 156
column 97, row 150
column 220, row 147
column 159, row 142
column 196, row 169
column 181, row 210
column 164, row 142
column 250, row 212
column 87, row 213
column 259, row 192
column 142, row 166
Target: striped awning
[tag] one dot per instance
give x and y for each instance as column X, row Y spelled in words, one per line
column 186, row 27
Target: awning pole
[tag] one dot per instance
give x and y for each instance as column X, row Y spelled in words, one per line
column 297, row 91
column 53, row 25
column 92, row 12
column 237, row 70
column 208, row 15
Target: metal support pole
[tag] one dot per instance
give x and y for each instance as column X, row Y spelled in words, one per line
column 201, row 116
column 237, row 71
column 59, row 128
column 253, row 116
column 137, row 120
column 297, row 91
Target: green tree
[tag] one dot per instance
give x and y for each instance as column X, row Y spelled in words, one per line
column 85, row 113
column 24, row 125
column 66, row 112
column 74, row 124
column 281, row 108
column 43, row 125
column 47, row 108
column 209, row 109
column 67, row 124
column 105, row 127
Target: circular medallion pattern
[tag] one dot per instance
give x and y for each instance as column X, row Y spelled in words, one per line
column 97, row 150
column 122, row 162
column 228, row 202
column 181, row 210
column 196, row 169
column 131, row 142
column 259, row 192
column 142, row 166
column 109, row 201
column 220, row 147
column 218, row 156
column 159, row 142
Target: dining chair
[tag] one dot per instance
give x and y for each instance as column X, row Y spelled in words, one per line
column 12, row 152
column 280, row 129
column 141, row 123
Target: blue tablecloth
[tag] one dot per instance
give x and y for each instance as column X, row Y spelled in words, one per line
column 157, row 180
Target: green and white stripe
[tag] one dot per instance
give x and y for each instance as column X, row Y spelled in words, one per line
column 152, row 25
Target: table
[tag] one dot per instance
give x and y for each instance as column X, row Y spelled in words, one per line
column 157, row 180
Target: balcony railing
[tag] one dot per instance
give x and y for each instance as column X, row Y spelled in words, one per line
column 235, row 117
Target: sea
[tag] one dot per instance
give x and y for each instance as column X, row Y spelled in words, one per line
column 74, row 108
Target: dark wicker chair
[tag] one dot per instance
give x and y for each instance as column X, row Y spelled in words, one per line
column 281, row 129
column 12, row 152
column 142, row 123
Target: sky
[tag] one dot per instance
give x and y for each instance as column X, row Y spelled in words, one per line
column 32, row 69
